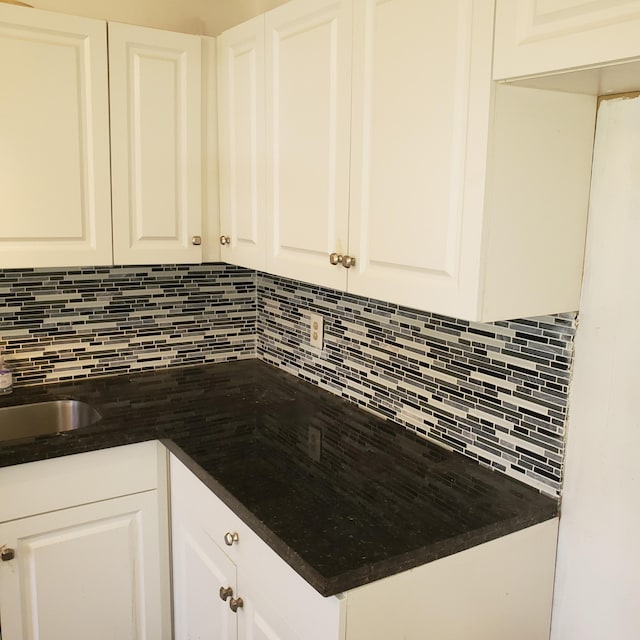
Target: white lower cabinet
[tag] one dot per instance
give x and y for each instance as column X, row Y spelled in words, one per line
column 499, row 590
column 273, row 601
column 85, row 547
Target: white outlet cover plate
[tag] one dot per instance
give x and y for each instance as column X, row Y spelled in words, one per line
column 316, row 332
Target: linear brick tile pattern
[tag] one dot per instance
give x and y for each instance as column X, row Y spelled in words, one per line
column 64, row 324
column 495, row 392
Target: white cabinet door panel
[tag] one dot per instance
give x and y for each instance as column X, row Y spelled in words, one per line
column 87, row 572
column 54, row 123
column 200, row 569
column 242, row 143
column 410, row 118
column 308, row 138
column 542, row 36
column 155, row 82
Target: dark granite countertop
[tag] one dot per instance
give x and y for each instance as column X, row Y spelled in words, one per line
column 343, row 496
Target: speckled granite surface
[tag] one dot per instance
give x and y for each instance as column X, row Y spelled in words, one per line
column 343, row 496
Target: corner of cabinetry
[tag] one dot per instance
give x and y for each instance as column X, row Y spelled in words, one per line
column 536, row 201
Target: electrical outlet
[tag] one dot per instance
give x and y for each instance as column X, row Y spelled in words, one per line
column 316, row 335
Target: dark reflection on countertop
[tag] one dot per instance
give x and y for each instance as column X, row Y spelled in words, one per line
column 343, row 496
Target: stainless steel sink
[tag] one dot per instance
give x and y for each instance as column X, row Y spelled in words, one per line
column 42, row 418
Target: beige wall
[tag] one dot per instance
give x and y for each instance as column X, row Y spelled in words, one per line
column 209, row 17
column 222, row 14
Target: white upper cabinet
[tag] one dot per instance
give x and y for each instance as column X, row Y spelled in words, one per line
column 467, row 198
column 534, row 37
column 391, row 152
column 241, row 113
column 411, row 99
column 156, row 153
column 55, row 204
column 308, row 71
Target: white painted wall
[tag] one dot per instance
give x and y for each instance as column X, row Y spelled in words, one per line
column 597, row 594
column 208, row 17
column 187, row 16
column 222, row 14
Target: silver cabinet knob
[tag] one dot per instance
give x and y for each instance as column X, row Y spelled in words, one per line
column 7, row 554
column 235, row 604
column 348, row 262
column 225, row 240
column 196, row 240
column 225, row 592
column 230, row 538
column 335, row 258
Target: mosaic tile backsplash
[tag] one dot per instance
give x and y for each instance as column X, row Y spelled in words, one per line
column 64, row 324
column 495, row 392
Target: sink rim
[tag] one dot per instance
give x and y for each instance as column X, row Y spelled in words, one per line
column 45, row 418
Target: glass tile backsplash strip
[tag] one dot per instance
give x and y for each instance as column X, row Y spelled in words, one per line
column 75, row 323
column 495, row 392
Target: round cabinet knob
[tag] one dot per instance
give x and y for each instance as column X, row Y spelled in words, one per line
column 225, row 592
column 7, row 554
column 235, row 604
column 335, row 258
column 224, row 240
column 230, row 538
column 348, row 262
column 196, row 240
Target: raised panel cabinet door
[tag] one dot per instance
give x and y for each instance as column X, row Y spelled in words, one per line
column 241, row 100
column 542, row 36
column 55, row 198
column 261, row 620
column 91, row 571
column 156, row 147
column 413, row 87
column 200, row 568
column 308, row 70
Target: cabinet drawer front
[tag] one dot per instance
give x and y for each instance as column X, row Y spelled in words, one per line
column 276, row 597
column 48, row 485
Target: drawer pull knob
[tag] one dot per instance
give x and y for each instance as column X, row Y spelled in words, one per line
column 235, row 604
column 196, row 240
column 335, row 258
column 226, row 592
column 225, row 240
column 230, row 538
column 7, row 554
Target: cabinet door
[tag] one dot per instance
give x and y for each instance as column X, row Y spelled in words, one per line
column 200, row 570
column 412, row 81
column 156, row 148
column 242, row 144
column 541, row 36
column 308, row 70
column 54, row 136
column 87, row 572
column 210, row 177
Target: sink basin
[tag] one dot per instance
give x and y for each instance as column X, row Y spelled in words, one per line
column 42, row 418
